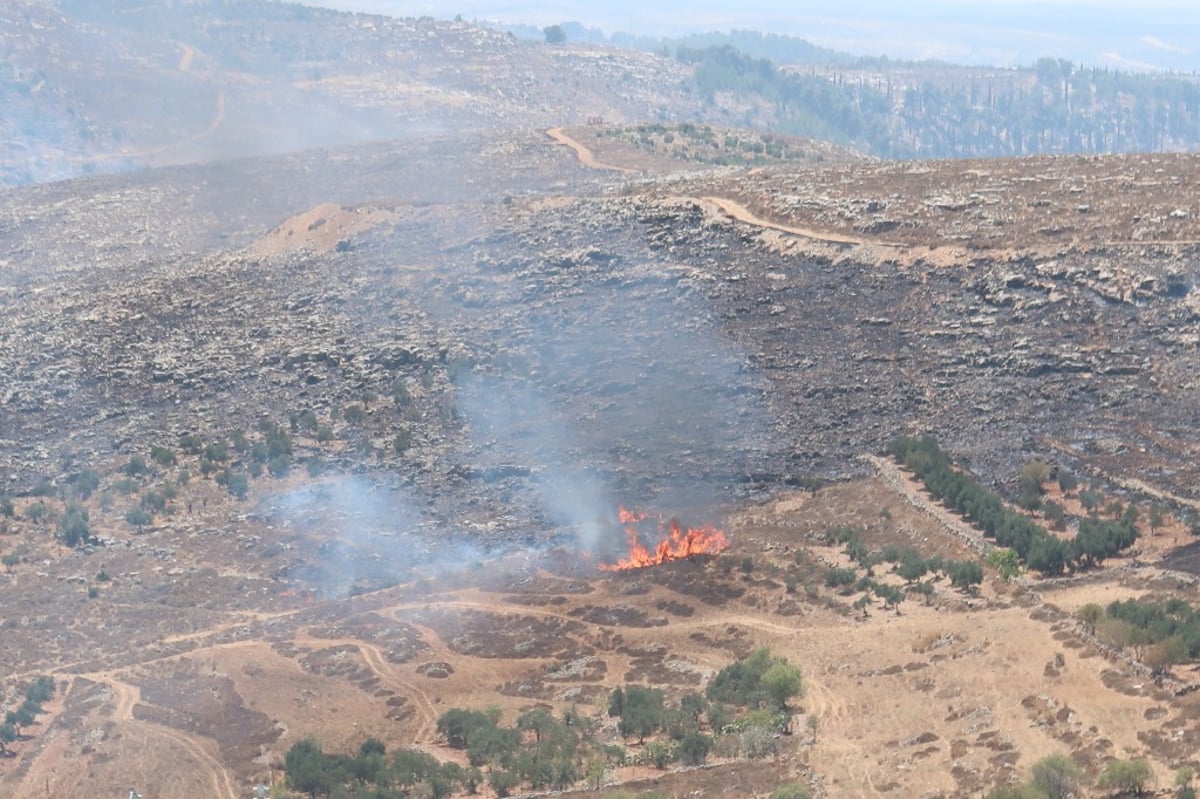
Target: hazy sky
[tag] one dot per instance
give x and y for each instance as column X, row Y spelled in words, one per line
column 1162, row 34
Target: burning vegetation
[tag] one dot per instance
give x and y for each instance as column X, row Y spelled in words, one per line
column 675, row 542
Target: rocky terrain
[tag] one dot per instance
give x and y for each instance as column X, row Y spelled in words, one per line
column 457, row 354
column 92, row 89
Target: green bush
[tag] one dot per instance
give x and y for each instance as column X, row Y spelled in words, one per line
column 136, row 466
column 791, row 790
column 1126, row 776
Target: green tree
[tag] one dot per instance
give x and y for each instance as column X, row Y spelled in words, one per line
column 539, row 720
column 1057, row 776
column 1006, row 562
column 912, row 566
column 1155, row 517
column 307, row 768
column 554, row 34
column 891, row 595
column 503, row 782
column 236, row 483
column 616, row 702
column 1055, row 514
column 136, row 466
column 1033, row 476
column 457, row 724
column 1090, row 614
column 1183, row 783
column 837, row 577
column 694, row 748
column 1126, row 776
column 8, row 734
column 23, row 716
column 216, row 451
column 964, row 574
column 138, row 518
column 163, row 456
column 73, row 527
column 660, row 754
column 642, row 712
column 85, row 482
column 38, row 512
column 782, row 681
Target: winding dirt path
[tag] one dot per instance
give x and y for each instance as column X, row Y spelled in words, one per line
column 730, row 208
column 741, row 213
column 222, row 784
column 585, row 155
column 187, row 58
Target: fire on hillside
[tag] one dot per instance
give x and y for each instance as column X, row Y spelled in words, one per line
column 676, row 544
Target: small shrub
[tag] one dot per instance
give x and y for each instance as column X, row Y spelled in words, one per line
column 216, row 451
column 163, row 456
column 44, row 488
column 279, row 465
column 837, row 577
column 85, row 482
column 791, row 790
column 191, row 444
column 136, row 467
column 93, row 592
column 400, row 394
column 37, row 512
column 237, row 484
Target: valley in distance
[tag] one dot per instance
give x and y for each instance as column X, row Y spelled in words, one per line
column 561, row 426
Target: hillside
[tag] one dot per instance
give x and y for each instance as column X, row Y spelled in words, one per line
column 373, row 462
column 97, row 89
column 90, row 89
column 299, row 420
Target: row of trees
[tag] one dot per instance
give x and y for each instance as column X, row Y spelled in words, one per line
column 372, row 774
column 37, row 694
column 907, row 563
column 1160, row 633
column 1060, row 777
column 1095, row 541
column 743, row 708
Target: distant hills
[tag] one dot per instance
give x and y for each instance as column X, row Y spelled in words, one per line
column 100, row 88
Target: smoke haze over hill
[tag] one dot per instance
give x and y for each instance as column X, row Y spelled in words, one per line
column 1123, row 35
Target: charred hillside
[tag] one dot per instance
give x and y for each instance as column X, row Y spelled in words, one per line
column 631, row 338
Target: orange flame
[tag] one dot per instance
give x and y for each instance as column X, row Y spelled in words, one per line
column 675, row 545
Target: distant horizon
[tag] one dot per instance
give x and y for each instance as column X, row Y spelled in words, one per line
column 1109, row 33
